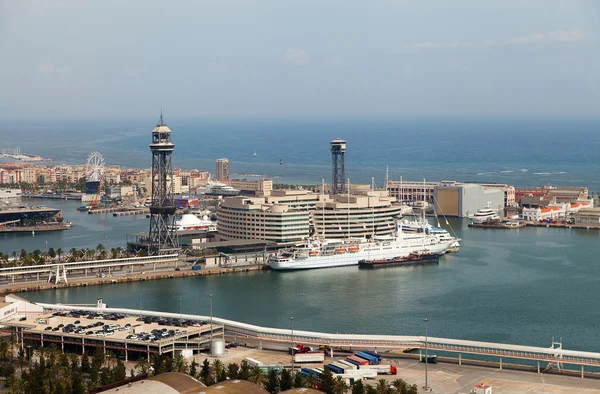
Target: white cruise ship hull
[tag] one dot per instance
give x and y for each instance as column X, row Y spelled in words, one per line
column 370, row 252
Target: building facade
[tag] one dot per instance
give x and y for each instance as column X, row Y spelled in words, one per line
column 252, row 218
column 463, row 200
column 412, row 191
column 222, row 170
column 356, row 216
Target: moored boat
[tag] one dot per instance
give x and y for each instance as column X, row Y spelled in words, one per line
column 413, row 258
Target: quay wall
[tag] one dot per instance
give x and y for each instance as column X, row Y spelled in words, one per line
column 136, row 277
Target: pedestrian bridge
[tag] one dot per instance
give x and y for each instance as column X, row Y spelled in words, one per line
column 554, row 356
column 31, row 273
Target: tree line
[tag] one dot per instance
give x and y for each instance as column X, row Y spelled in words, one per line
column 38, row 257
column 273, row 381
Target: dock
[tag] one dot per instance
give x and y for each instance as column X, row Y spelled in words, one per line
column 119, row 211
column 36, row 228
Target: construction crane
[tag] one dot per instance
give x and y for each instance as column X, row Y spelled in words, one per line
column 96, row 199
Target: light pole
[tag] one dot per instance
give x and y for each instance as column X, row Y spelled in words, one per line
column 211, row 325
column 426, row 320
column 180, row 314
column 293, row 347
column 140, row 305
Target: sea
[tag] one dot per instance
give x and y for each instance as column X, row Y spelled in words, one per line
column 521, row 286
column 518, row 151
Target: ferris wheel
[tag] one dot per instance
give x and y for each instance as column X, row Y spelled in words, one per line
column 94, row 167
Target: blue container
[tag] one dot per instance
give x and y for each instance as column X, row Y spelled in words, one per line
column 334, row 369
column 372, row 360
column 376, row 355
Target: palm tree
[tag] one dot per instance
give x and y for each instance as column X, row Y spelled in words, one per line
column 311, row 381
column 143, row 365
column 400, row 385
column 180, row 364
column 256, row 375
column 12, row 343
column 59, row 252
column 217, row 370
column 100, row 248
column 15, row 384
column 4, row 349
column 382, row 386
column 340, row 385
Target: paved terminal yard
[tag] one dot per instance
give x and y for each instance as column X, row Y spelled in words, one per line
column 443, row 377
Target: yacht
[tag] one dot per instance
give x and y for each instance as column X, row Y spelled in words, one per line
column 191, row 222
column 484, row 215
column 317, row 253
column 217, row 189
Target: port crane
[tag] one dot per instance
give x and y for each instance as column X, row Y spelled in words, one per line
column 96, row 199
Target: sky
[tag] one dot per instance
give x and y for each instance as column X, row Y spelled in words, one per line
column 280, row 58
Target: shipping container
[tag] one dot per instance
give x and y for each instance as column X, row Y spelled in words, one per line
column 376, row 355
column 381, row 369
column 347, row 364
column 356, row 363
column 372, row 360
column 334, row 369
column 360, row 361
column 340, row 366
column 252, row 362
column 311, row 357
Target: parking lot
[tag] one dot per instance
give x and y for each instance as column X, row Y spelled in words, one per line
column 116, row 327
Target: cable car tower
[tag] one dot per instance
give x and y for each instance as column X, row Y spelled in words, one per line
column 162, row 235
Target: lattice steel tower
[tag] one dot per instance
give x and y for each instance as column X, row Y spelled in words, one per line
column 163, row 237
column 338, row 148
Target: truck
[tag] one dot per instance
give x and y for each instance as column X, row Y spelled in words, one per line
column 381, row 369
column 431, row 359
column 358, row 374
column 309, row 357
column 357, row 360
column 372, row 360
column 269, row 368
column 300, row 348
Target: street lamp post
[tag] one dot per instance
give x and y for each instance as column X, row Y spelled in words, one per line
column 293, row 347
column 426, row 320
column 211, row 325
column 180, row 313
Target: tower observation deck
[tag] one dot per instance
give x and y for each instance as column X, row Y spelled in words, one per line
column 162, row 235
column 338, row 148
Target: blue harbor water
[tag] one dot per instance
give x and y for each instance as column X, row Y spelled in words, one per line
column 521, row 152
column 517, row 286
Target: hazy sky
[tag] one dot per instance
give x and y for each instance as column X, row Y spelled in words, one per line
column 293, row 58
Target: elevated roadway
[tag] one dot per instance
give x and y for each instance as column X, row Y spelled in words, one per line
column 552, row 356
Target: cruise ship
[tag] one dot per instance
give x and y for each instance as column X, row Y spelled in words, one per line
column 420, row 225
column 316, row 253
